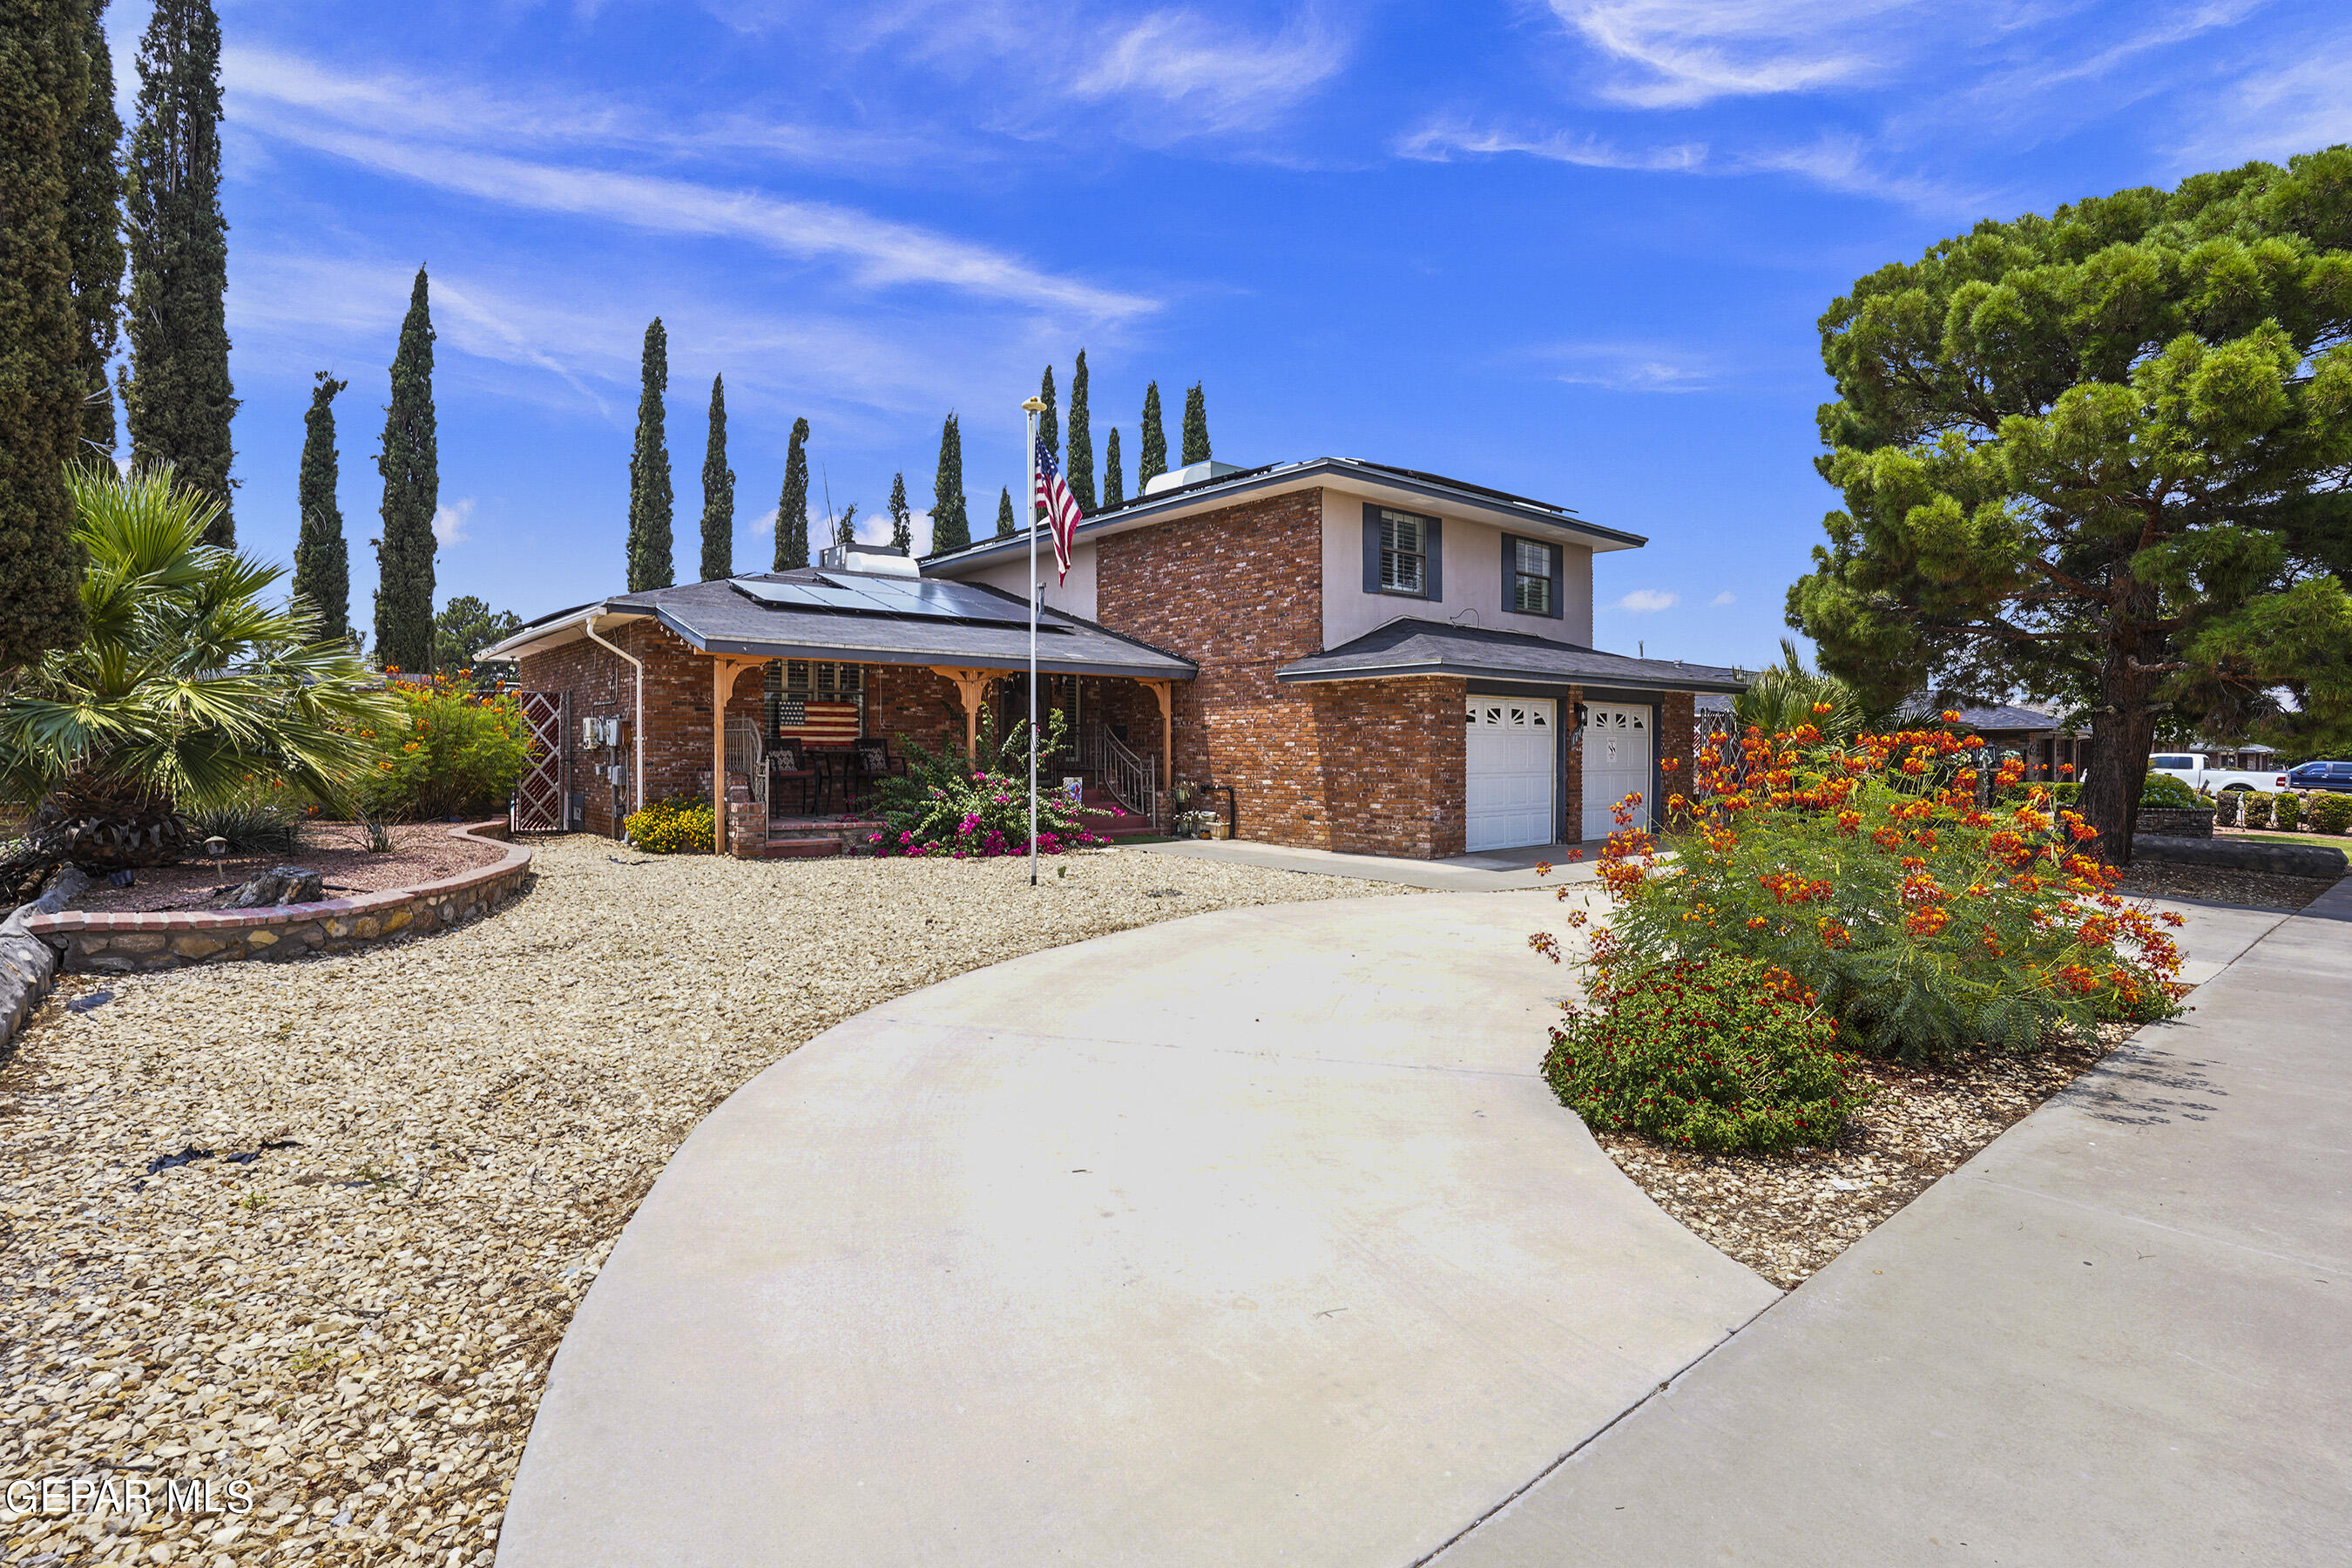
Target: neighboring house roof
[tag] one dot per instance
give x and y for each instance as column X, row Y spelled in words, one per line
column 2002, row 719
column 1409, row 486
column 1407, row 646
column 723, row 617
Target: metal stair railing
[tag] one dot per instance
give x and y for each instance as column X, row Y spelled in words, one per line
column 1133, row 781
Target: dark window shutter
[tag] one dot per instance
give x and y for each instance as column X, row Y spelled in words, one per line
column 1433, row 580
column 1510, row 600
column 1559, row 580
column 1371, row 548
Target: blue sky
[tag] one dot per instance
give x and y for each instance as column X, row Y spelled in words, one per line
column 1574, row 249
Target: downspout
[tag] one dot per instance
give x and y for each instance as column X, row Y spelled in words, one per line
column 637, row 727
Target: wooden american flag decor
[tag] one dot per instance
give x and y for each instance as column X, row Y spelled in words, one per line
column 822, row 723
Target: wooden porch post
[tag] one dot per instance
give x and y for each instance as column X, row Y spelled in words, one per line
column 724, row 670
column 1166, row 691
column 972, row 688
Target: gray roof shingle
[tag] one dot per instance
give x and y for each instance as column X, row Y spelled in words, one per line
column 1409, row 647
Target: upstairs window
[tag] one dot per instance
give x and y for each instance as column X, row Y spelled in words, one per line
column 1531, row 577
column 1402, row 551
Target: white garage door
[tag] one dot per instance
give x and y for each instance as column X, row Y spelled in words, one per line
column 1508, row 775
column 1616, row 754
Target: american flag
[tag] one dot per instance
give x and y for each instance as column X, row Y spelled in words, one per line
column 1061, row 507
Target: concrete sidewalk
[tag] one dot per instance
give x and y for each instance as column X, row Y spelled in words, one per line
column 1490, row 871
column 2122, row 1334
column 1247, row 1238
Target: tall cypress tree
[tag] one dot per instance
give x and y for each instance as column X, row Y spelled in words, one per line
column 1114, row 491
column 178, row 392
column 950, row 525
column 845, row 526
column 40, row 389
column 410, row 462
column 902, row 516
column 1196, row 426
column 1003, row 515
column 718, row 493
column 651, row 556
column 1078, row 465
column 791, row 506
column 94, row 221
column 1153, row 461
column 322, row 564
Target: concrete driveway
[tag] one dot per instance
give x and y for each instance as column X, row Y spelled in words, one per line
column 1249, row 1239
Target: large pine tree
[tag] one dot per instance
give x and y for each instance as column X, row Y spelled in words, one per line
column 1153, row 461
column 1079, row 466
column 40, row 389
column 651, row 554
column 1114, row 490
column 951, row 523
column 176, row 393
column 322, row 564
column 718, row 493
column 1196, row 426
column 902, row 516
column 93, row 157
column 791, row 506
column 410, row 463
column 1004, row 515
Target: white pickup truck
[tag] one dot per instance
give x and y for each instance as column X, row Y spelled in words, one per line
column 2199, row 774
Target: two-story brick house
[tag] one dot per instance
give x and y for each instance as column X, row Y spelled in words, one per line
column 1388, row 661
column 1354, row 656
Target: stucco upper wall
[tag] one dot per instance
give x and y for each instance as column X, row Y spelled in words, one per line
column 1075, row 597
column 1470, row 576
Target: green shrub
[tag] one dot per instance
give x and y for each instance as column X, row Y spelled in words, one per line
column 2256, row 811
column 1923, row 922
column 2164, row 789
column 2286, row 811
column 680, row 826
column 265, row 821
column 458, row 753
column 2065, row 793
column 2331, row 813
column 974, row 807
column 1723, row 1054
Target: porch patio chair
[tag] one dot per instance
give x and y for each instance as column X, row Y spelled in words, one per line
column 872, row 761
column 787, row 762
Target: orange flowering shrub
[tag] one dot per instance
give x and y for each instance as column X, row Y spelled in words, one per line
column 1927, row 908
column 457, row 752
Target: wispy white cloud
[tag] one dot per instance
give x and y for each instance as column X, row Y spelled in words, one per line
column 878, row 252
column 1629, row 366
column 2289, row 101
column 449, row 522
column 1448, row 137
column 1648, row 601
column 1676, row 54
column 765, row 523
column 1725, row 597
column 1206, row 78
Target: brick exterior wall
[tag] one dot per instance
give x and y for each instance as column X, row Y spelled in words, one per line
column 1367, row 766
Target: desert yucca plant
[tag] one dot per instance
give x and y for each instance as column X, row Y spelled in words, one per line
column 188, row 688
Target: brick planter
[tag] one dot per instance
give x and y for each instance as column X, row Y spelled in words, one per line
column 129, row 942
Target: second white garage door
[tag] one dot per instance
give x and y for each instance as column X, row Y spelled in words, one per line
column 1507, row 774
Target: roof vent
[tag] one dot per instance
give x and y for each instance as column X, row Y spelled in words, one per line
column 884, row 559
column 1190, row 474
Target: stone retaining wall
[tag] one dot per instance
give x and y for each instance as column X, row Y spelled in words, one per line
column 2243, row 854
column 128, row 942
column 2174, row 822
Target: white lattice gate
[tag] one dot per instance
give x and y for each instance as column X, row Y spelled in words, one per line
column 542, row 793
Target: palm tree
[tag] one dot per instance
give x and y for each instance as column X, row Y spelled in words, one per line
column 1784, row 697
column 186, row 690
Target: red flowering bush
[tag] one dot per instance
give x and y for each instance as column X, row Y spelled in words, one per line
column 1721, row 1055
column 453, row 751
column 953, row 807
column 1925, row 906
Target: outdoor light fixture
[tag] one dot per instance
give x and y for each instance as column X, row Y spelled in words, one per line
column 216, row 846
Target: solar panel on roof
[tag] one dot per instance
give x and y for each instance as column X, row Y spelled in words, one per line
column 903, row 597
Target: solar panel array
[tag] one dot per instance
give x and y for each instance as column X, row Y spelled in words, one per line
column 916, row 597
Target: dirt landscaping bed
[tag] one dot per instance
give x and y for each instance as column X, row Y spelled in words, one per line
column 2221, row 885
column 317, row 1227
column 420, row 852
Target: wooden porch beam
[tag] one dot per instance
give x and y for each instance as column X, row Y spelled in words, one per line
column 724, row 671
column 1166, row 691
column 971, row 689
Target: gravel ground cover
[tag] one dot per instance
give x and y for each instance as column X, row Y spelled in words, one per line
column 1785, row 1216
column 420, row 852
column 2221, row 885
column 317, row 1227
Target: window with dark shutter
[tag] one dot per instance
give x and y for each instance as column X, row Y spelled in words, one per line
column 1404, row 553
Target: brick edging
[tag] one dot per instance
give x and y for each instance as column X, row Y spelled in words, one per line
column 155, row 939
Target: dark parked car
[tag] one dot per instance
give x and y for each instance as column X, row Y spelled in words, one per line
column 2321, row 775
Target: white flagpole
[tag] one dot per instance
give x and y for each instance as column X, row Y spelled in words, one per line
column 1034, row 407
